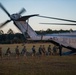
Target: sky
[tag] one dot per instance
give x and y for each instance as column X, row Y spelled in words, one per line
column 65, row 9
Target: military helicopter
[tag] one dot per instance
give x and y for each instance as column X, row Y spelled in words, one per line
column 21, row 22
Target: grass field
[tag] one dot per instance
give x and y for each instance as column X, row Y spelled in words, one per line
column 38, row 65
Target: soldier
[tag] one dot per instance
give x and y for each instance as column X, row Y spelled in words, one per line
column 43, row 50
column 1, row 52
column 60, row 50
column 23, row 52
column 49, row 50
column 8, row 52
column 33, row 51
column 17, row 52
column 54, row 50
column 40, row 50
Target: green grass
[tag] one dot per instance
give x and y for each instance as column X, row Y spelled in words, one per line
column 39, row 65
column 47, row 65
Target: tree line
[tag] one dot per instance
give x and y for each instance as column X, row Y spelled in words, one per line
column 11, row 37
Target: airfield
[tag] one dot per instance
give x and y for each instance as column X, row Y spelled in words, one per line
column 36, row 65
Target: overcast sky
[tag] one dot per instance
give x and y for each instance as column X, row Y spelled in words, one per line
column 52, row 8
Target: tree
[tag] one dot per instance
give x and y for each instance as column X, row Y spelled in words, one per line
column 10, row 35
column 2, row 36
column 48, row 30
column 71, row 30
column 10, row 31
column 1, row 32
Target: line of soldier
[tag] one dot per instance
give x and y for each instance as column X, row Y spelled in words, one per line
column 41, row 51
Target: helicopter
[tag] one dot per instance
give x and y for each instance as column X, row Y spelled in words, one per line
column 21, row 22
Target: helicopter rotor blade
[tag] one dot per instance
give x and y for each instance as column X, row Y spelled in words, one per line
column 22, row 11
column 59, row 19
column 3, row 24
column 3, row 8
column 58, row 24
